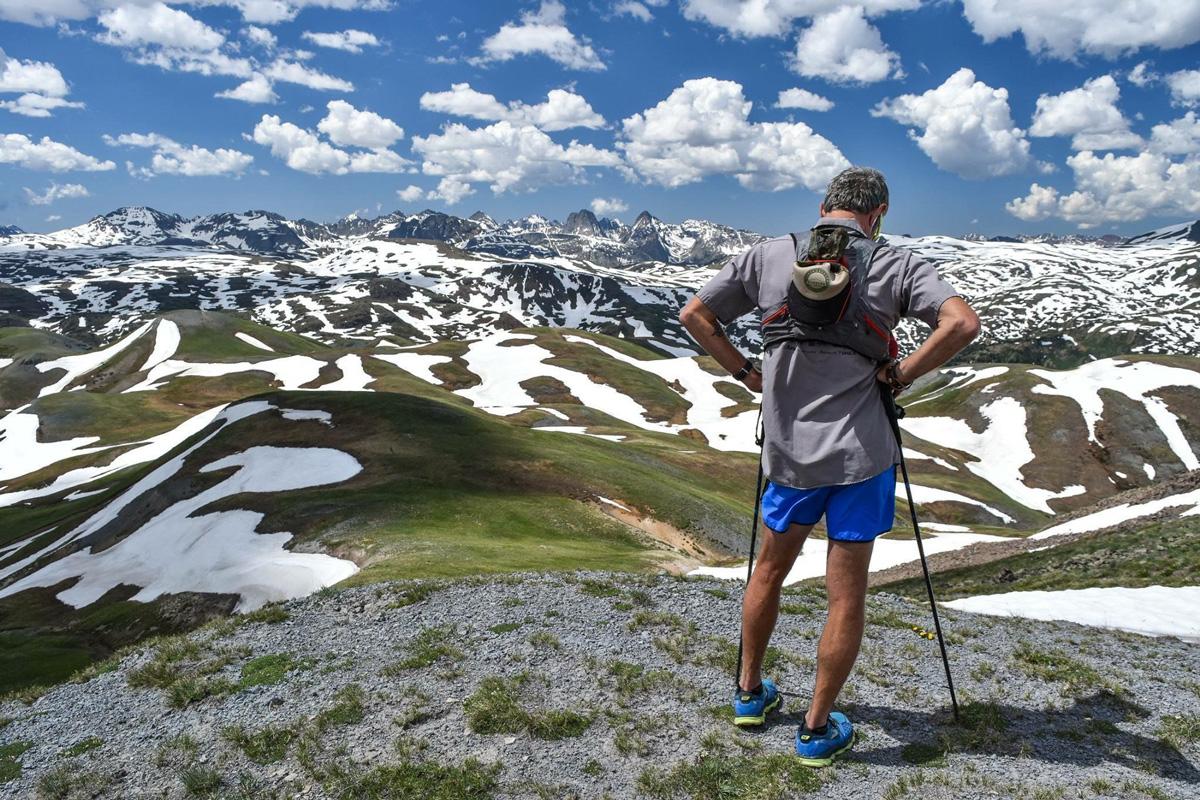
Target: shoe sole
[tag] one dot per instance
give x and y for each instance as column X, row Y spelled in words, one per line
column 825, row 762
column 753, row 721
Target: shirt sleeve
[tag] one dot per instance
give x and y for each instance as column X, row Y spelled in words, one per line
column 923, row 291
column 727, row 293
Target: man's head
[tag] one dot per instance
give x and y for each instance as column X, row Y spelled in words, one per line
column 860, row 193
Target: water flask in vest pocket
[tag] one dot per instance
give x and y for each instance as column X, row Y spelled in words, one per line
column 820, row 290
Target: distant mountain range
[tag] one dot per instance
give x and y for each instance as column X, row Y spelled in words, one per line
column 430, row 276
column 601, row 241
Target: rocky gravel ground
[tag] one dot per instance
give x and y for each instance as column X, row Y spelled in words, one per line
column 600, row 685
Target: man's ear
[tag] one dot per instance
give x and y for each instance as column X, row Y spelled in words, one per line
column 820, row 209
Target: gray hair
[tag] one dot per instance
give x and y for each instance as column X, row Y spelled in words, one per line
column 859, row 189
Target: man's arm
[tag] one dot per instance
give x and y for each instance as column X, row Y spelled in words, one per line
column 705, row 328
column 957, row 327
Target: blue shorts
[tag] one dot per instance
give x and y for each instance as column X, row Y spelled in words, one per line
column 855, row 512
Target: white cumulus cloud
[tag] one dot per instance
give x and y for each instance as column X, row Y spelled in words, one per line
column 39, row 84
column 47, row 155
column 541, row 32
column 1102, row 27
column 261, row 37
column 561, row 110
column 56, row 191
column 775, row 17
column 703, row 129
column 1178, row 137
column 1088, row 114
column 255, row 89
column 1112, row 188
column 606, row 207
column 295, row 72
column 842, row 47
column 504, row 155
column 965, row 126
column 351, row 127
column 156, row 24
column 305, row 151
column 410, row 194
column 1185, row 87
column 803, row 99
column 271, row 12
column 351, row 41
column 633, row 8
column 172, row 158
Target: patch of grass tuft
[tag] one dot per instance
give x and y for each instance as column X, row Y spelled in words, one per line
column 470, row 780
column 428, row 647
column 347, row 708
column 262, row 747
column 200, row 781
column 10, row 766
column 595, row 588
column 66, row 782
column 1075, row 676
column 82, row 746
column 495, row 707
column 1179, row 729
column 266, row 670
column 712, row 777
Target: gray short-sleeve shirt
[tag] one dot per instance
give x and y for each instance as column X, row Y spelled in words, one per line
column 824, row 422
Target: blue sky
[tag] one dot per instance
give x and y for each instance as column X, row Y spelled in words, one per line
column 999, row 117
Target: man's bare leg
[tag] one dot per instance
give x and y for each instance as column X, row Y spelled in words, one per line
column 846, row 583
column 761, row 607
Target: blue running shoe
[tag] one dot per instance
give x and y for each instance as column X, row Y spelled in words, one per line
column 751, row 709
column 817, row 750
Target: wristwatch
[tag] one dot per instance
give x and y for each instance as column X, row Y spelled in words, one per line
column 746, row 369
column 895, row 378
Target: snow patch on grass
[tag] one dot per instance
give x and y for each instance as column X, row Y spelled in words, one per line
column 1122, row 513
column 887, row 553
column 1002, row 449
column 1152, row 610
column 166, row 342
column 250, row 340
column 418, row 364
column 928, row 494
column 354, row 377
column 181, row 550
column 1136, row 380
column 79, row 365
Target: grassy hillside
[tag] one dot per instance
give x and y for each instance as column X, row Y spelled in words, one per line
column 445, row 491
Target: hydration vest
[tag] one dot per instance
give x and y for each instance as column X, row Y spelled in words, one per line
column 827, row 295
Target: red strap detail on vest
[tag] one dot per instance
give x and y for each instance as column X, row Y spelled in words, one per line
column 775, row 315
column 871, row 324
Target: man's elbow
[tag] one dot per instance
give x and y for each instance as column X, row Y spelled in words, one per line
column 967, row 327
column 691, row 313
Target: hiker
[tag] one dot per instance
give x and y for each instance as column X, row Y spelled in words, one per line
column 829, row 299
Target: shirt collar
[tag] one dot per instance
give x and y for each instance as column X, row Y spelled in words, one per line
column 841, row 223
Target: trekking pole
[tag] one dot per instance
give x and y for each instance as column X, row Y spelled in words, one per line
column 895, row 413
column 759, row 438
